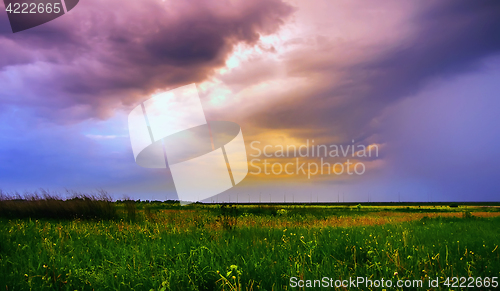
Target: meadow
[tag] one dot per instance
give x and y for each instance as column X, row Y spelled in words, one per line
column 163, row 246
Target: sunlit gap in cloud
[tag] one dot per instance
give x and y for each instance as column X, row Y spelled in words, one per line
column 237, row 80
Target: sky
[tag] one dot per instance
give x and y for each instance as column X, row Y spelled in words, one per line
column 416, row 81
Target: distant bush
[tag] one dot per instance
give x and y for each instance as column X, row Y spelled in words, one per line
column 263, row 210
column 42, row 204
column 453, row 205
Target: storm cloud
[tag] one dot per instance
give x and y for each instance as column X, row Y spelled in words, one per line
column 107, row 54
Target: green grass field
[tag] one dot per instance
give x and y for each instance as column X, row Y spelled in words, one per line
column 249, row 247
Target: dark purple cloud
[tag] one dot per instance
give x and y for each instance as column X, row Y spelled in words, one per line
column 107, row 53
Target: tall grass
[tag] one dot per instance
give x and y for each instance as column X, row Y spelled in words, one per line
column 131, row 210
column 190, row 250
column 43, row 204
